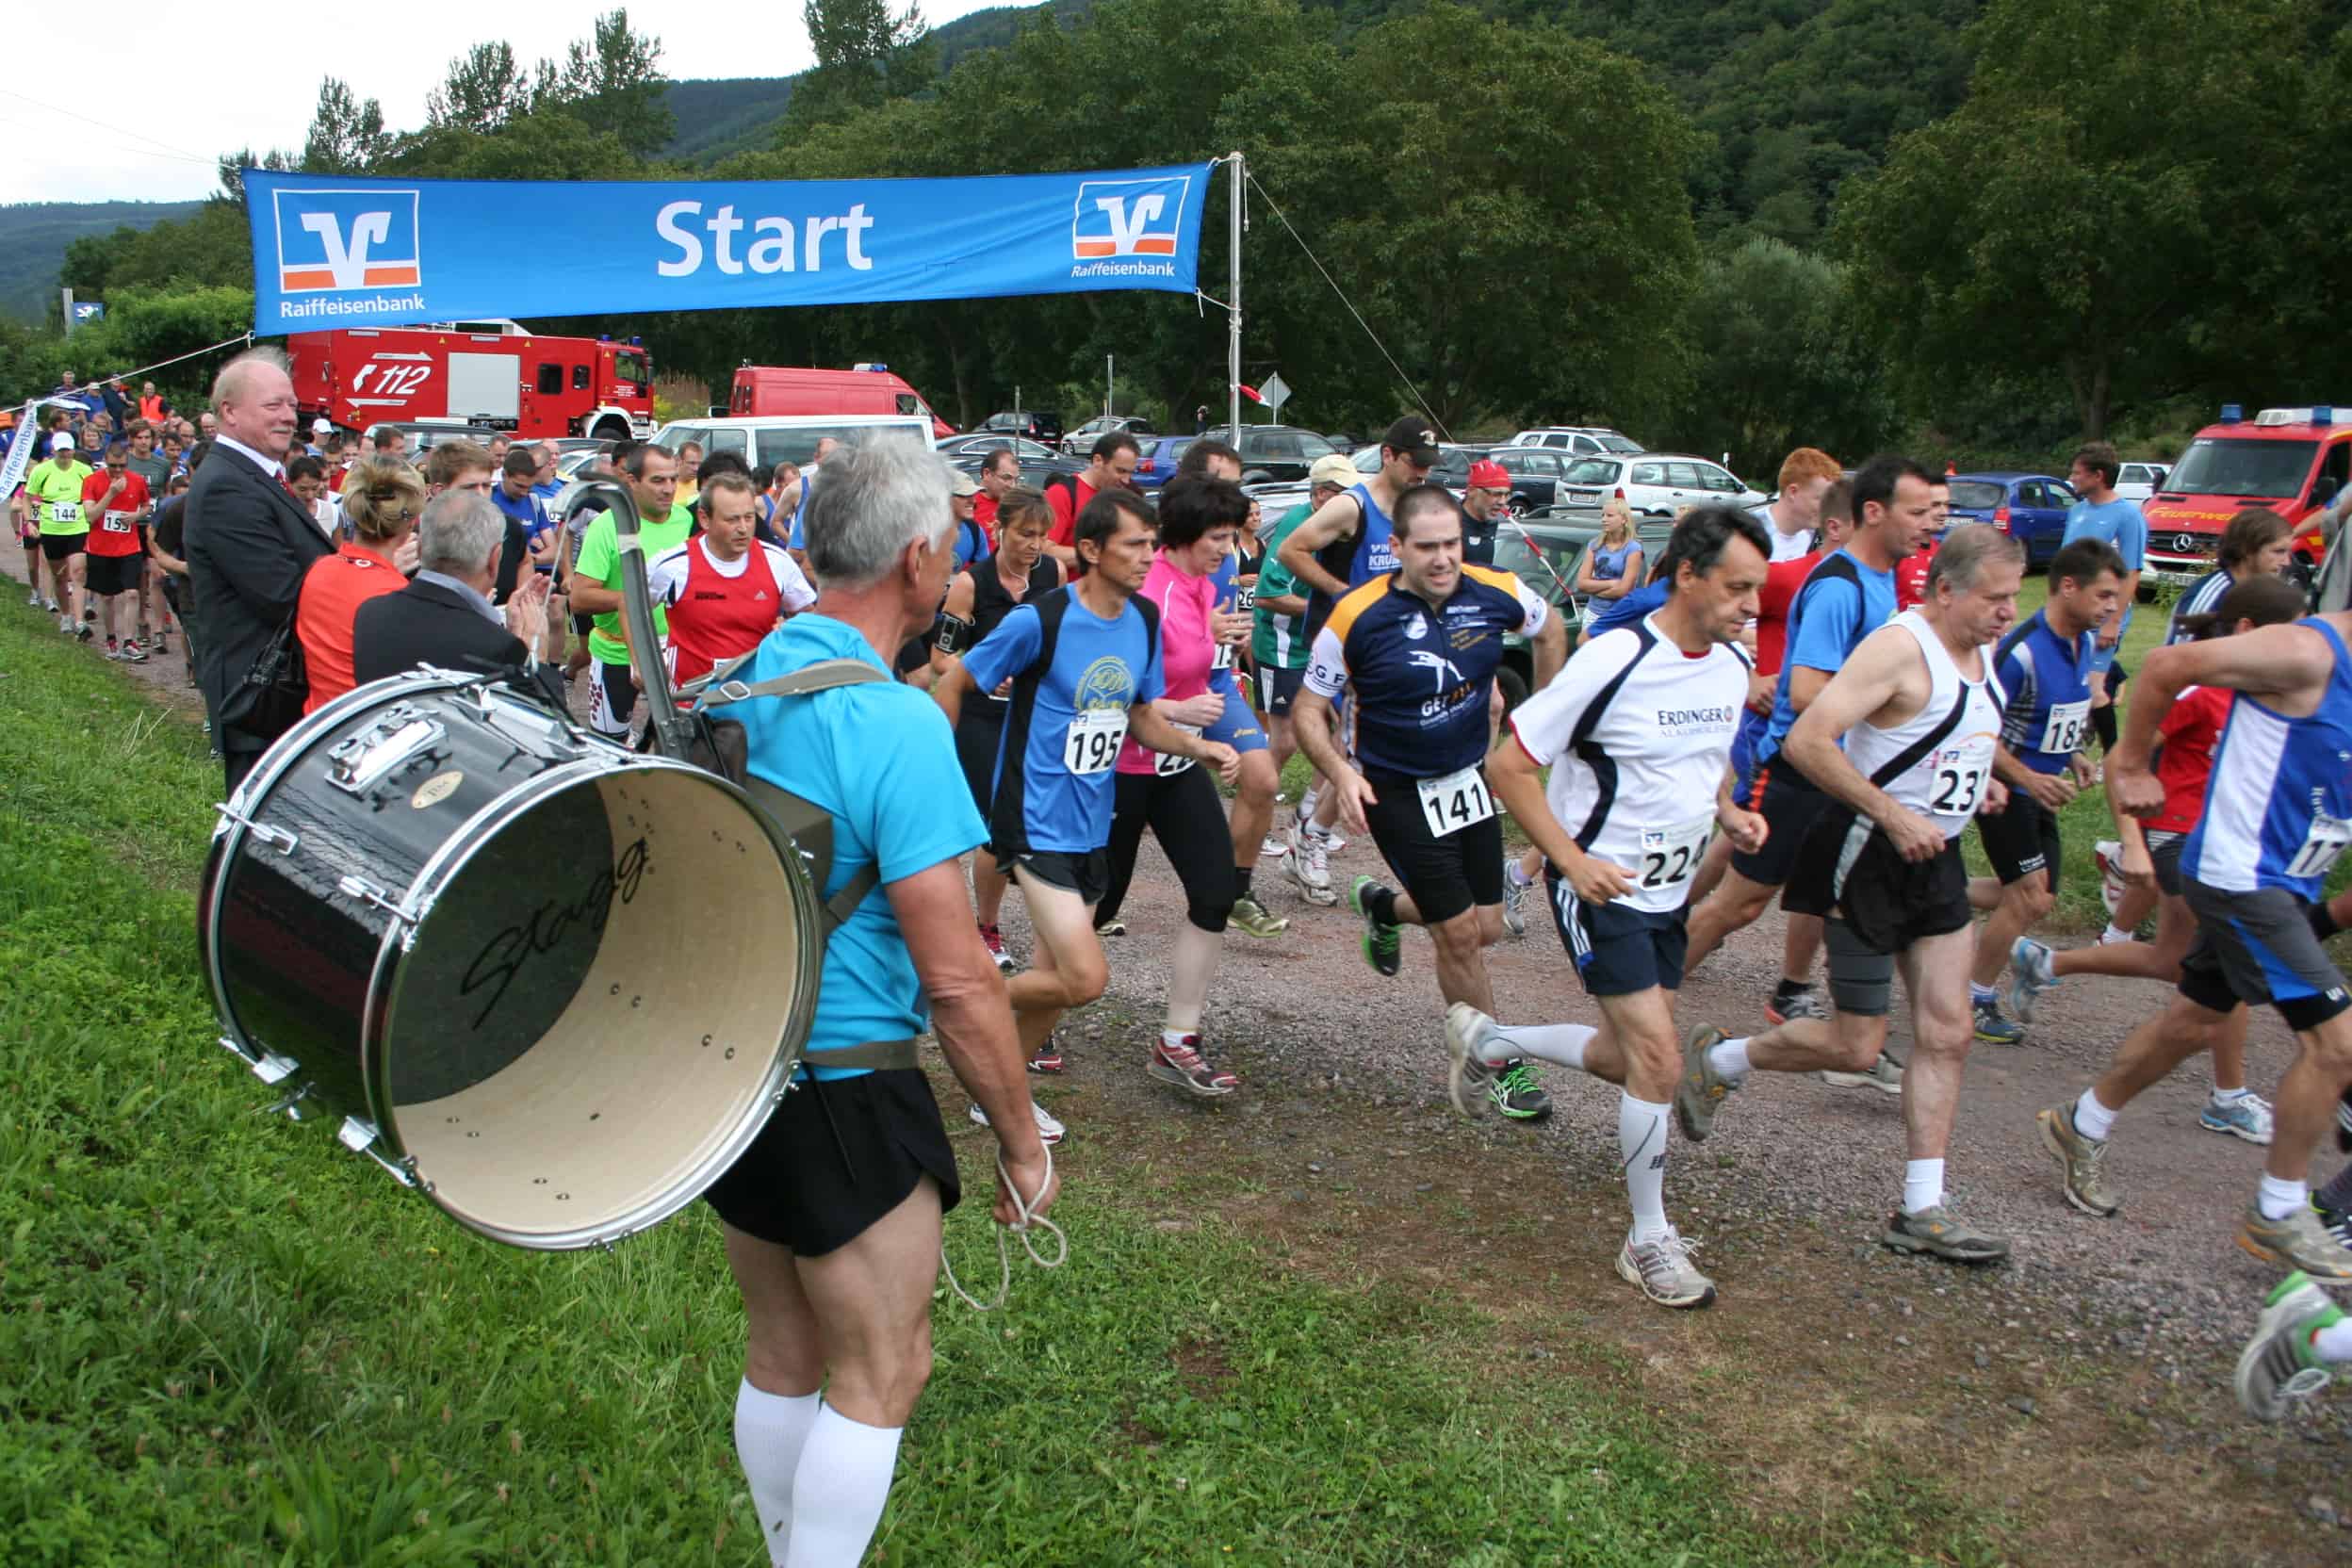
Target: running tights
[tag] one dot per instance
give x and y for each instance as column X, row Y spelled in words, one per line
column 1187, row 815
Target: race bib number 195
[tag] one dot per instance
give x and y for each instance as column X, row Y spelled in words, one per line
column 1092, row 744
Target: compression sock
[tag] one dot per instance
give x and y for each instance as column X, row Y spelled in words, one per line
column 1562, row 1044
column 2103, row 722
column 2277, row 1199
column 1922, row 1184
column 770, row 1431
column 2337, row 1194
column 842, row 1481
column 1642, row 1142
column 1730, row 1058
column 2091, row 1119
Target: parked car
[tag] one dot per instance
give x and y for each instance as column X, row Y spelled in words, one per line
column 425, row 435
column 1080, row 442
column 2030, row 508
column 1545, row 553
column 1034, row 471
column 1535, row 474
column 2139, row 481
column 1578, row 440
column 1452, row 469
column 1276, row 452
column 763, row 440
column 1025, row 449
column 1157, row 457
column 1037, row 424
column 1655, row 485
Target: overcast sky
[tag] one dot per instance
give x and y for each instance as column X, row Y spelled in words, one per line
column 208, row 87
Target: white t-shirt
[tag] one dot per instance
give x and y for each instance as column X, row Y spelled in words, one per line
column 665, row 574
column 1638, row 735
column 1786, row 547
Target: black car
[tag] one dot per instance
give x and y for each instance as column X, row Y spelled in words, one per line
column 1534, row 476
column 1037, row 424
column 1034, row 471
column 1273, row 453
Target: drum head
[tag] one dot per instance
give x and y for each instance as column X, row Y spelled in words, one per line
column 599, row 1008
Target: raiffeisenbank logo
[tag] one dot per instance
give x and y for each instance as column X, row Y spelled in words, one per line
column 1128, row 227
column 346, row 242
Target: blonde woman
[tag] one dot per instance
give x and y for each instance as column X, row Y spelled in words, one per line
column 382, row 498
column 1612, row 566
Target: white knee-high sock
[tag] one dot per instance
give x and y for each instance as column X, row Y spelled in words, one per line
column 1641, row 1139
column 770, row 1431
column 1559, row 1043
column 840, row 1485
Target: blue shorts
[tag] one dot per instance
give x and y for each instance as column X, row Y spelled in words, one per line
column 1618, row 952
column 1750, row 731
column 1238, row 728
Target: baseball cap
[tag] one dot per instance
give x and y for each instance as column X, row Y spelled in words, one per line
column 963, row 484
column 1412, row 438
column 321, row 425
column 1333, row 468
column 1487, row 474
column 62, row 442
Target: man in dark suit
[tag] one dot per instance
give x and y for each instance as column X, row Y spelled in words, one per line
column 445, row 618
column 249, row 545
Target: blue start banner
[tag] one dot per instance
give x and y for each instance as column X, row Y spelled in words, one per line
column 333, row 251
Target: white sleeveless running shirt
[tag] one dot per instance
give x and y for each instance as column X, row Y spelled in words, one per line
column 1932, row 766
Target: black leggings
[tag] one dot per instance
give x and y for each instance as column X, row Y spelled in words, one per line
column 1187, row 815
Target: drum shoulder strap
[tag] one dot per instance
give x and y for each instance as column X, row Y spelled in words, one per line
column 822, row 676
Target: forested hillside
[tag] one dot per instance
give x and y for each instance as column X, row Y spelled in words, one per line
column 34, row 235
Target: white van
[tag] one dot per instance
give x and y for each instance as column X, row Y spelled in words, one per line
column 766, row 440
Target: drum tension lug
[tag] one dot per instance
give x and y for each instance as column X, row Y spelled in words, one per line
column 281, row 838
column 269, row 1066
column 369, row 892
column 358, row 1134
column 291, row 1105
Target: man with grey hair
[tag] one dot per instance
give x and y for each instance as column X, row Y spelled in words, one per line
column 249, row 544
column 444, row 616
column 1902, row 739
column 832, row 1217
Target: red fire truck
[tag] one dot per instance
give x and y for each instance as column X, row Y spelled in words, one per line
column 2293, row 461
column 495, row 374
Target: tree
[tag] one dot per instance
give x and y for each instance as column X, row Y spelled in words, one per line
column 865, row 57
column 347, row 136
column 231, row 168
column 487, row 91
column 2138, row 215
column 613, row 83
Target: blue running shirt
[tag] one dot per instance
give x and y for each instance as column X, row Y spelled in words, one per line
column 1842, row 602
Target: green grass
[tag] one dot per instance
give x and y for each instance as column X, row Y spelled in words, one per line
column 222, row 1340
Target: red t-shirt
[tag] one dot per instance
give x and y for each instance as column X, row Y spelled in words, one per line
column 1911, row 575
column 2184, row 758
column 984, row 513
column 1781, row 582
column 114, row 532
column 1068, row 500
column 328, row 609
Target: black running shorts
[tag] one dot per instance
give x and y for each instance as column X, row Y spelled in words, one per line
column 2020, row 839
column 108, row 575
column 1089, row 875
column 61, row 546
column 1789, row 804
column 2260, row 947
column 1850, row 867
column 834, row 1158
column 1444, row 876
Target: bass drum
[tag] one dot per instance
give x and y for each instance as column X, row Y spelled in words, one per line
column 554, row 985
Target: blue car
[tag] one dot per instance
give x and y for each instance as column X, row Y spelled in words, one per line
column 2031, row 508
column 1157, row 458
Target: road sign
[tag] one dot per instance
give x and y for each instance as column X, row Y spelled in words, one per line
column 1273, row 392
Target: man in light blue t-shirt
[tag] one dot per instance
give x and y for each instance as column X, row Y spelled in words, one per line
column 833, row 1215
column 2103, row 515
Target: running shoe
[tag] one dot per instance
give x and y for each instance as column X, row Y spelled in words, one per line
column 51, row 605
column 1662, row 1269
column 1111, row 929
column 89, row 612
column 993, row 939
column 1383, row 949
column 1468, row 1075
column 1309, row 866
column 159, row 643
column 2299, row 1241
column 133, row 653
column 1885, row 1076
column 2279, row 1364
column 1514, row 921
column 85, row 632
column 1994, row 1029
column 1701, row 1093
column 1250, row 919
column 2081, row 1158
column 1182, row 1066
column 1786, row 1004
column 1935, row 1231
column 2248, row 1117
column 65, row 625
column 114, row 649
column 2030, row 973
column 1049, row 1056
column 1050, row 1132
column 2107, row 853
column 1519, row 1094
column 1273, row 847
column 2336, row 1221
column 33, row 599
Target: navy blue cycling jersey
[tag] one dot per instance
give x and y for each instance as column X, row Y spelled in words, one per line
column 2048, row 682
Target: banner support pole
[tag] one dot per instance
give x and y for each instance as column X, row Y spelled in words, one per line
column 1232, row 318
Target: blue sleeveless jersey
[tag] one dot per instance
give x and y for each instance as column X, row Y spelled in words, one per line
column 2279, row 805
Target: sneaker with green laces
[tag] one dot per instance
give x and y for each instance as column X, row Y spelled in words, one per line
column 1701, row 1091
column 2279, row 1365
column 1250, row 919
column 1383, row 949
column 1519, row 1094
